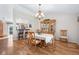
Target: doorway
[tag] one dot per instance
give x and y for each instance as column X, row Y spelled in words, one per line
column 10, row 34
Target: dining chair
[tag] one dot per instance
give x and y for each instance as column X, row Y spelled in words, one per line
column 32, row 40
column 63, row 35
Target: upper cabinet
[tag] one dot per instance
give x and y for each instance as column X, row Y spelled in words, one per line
column 48, row 26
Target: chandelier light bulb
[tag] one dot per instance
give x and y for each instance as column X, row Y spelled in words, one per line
column 39, row 14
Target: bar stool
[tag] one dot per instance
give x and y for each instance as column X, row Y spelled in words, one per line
column 20, row 35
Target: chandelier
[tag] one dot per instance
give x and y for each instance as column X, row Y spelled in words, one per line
column 39, row 15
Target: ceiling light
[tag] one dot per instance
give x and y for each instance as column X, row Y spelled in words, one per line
column 39, row 14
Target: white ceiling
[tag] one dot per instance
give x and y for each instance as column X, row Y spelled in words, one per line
column 52, row 8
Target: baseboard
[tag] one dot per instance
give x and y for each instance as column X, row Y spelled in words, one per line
column 73, row 45
column 70, row 44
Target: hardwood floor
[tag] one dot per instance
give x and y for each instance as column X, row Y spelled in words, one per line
column 20, row 47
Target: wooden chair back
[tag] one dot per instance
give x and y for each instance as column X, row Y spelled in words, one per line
column 31, row 38
column 63, row 32
column 31, row 35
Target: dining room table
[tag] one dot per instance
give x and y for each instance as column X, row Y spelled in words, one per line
column 43, row 36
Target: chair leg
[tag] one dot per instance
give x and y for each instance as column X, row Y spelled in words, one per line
column 54, row 46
